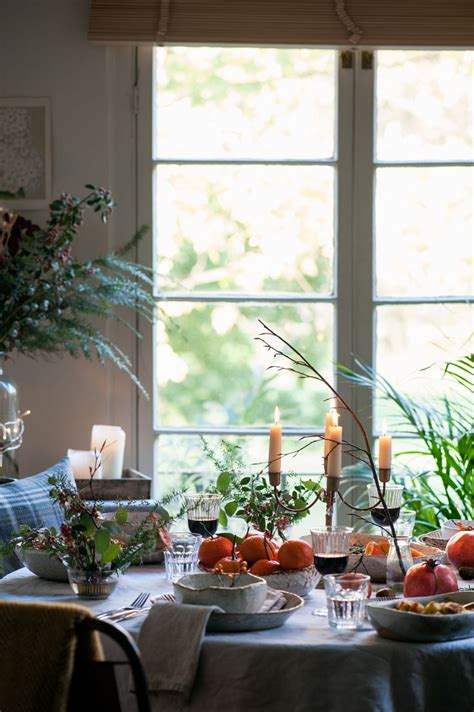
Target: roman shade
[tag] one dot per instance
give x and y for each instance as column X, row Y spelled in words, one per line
column 333, row 23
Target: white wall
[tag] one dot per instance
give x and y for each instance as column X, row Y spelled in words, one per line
column 44, row 53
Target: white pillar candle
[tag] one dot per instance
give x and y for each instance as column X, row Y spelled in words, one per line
column 385, row 449
column 334, row 460
column 82, row 461
column 329, row 423
column 274, row 451
column 113, row 452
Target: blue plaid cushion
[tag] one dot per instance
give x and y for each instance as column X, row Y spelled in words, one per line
column 27, row 501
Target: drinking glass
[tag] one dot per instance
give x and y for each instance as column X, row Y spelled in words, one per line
column 346, row 601
column 405, row 523
column 395, row 575
column 203, row 513
column 393, row 500
column 181, row 556
column 330, row 552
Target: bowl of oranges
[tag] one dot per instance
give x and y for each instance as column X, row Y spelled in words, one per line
column 368, row 555
column 288, row 567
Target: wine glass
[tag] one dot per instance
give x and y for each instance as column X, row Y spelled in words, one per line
column 330, row 552
column 393, row 500
column 203, row 513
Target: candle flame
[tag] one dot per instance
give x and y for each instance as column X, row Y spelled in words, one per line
column 277, row 415
column 335, row 417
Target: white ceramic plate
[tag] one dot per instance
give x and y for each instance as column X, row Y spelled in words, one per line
column 420, row 627
column 241, row 622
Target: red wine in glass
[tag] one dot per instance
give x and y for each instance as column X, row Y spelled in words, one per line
column 379, row 516
column 332, row 563
column 204, row 527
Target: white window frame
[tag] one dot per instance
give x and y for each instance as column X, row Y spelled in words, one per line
column 354, row 277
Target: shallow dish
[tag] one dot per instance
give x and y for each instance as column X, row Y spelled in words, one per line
column 241, row 622
column 420, row 627
column 449, row 528
column 241, row 593
column 299, row 581
column 42, row 564
column 376, row 566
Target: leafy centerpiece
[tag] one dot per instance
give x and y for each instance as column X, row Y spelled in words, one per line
column 95, row 550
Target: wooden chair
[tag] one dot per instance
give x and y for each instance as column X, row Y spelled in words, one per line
column 101, row 691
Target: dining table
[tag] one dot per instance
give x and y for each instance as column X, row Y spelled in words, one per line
column 302, row 666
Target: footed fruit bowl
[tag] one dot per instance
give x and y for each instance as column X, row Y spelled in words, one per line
column 239, row 593
column 299, row 581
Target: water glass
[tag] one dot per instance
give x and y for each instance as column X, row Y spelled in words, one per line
column 181, row 556
column 395, row 574
column 346, row 599
column 203, row 513
column 405, row 523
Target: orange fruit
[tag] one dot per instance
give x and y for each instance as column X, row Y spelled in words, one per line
column 230, row 565
column 295, row 554
column 377, row 548
column 213, row 549
column 258, row 547
column 264, row 567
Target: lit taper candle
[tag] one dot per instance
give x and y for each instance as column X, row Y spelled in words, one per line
column 274, row 451
column 334, row 458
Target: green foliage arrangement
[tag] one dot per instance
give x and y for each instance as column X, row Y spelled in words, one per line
column 443, row 430
column 48, row 299
column 250, row 496
column 89, row 542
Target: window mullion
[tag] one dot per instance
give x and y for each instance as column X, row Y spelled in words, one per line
column 363, row 312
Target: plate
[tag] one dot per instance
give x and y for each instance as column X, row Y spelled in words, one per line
column 420, row 627
column 241, row 622
column 434, row 538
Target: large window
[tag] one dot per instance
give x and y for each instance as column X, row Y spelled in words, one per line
column 333, row 203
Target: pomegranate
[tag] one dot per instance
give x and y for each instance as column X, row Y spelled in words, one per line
column 460, row 549
column 429, row 578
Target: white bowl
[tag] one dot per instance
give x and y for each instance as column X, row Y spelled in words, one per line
column 449, row 528
column 299, row 581
column 239, row 593
column 41, row 563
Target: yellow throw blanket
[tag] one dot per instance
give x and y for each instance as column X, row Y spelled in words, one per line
column 38, row 644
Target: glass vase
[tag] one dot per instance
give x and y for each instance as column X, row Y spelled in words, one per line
column 8, row 415
column 395, row 574
column 92, row 584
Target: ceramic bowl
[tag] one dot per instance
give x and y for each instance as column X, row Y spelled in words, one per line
column 42, row 564
column 298, row 581
column 242, row 593
column 449, row 527
column 376, row 566
column 420, row 627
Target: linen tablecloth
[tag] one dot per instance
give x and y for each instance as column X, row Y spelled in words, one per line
column 304, row 666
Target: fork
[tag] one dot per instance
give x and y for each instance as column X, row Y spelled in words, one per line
column 137, row 604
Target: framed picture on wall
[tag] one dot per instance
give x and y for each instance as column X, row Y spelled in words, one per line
column 25, row 152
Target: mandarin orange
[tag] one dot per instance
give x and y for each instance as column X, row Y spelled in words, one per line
column 265, row 567
column 295, row 554
column 213, row 549
column 258, row 547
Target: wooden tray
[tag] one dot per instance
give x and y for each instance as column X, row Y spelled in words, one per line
column 132, row 485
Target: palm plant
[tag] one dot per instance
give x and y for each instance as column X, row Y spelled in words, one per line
column 442, row 429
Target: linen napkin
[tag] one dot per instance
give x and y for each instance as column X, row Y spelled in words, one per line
column 170, row 643
column 274, row 601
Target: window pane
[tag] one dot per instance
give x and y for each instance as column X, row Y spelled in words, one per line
column 245, row 228
column 211, row 370
column 182, row 464
column 414, row 337
column 425, row 105
column 424, row 231
column 244, row 103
